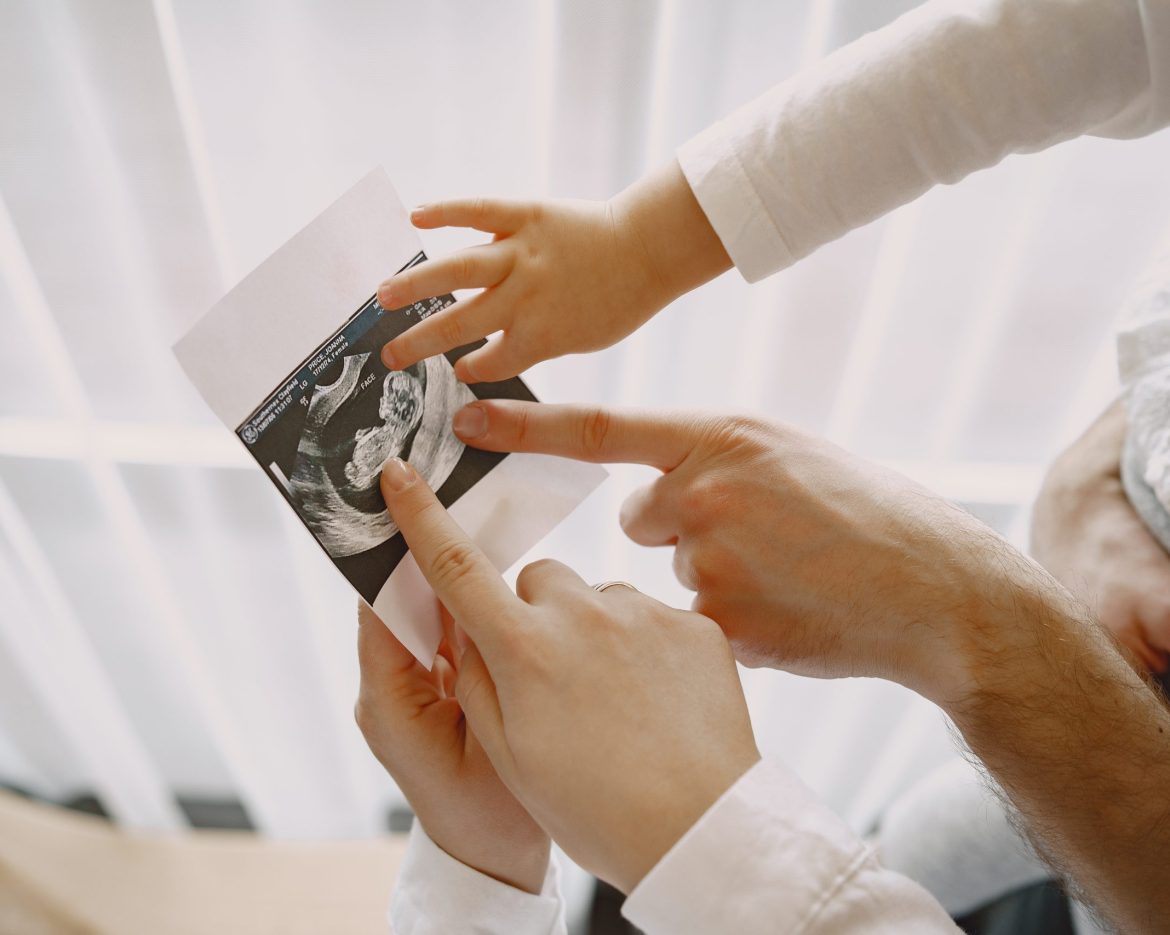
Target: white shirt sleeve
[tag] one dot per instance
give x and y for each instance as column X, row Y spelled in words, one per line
column 768, row 857
column 951, row 87
column 438, row 895
column 950, row 833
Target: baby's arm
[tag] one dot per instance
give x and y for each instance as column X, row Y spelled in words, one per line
column 950, row 88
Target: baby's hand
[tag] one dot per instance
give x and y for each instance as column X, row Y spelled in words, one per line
column 559, row 277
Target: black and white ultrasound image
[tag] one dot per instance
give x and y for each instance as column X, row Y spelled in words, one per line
column 324, row 435
column 355, row 424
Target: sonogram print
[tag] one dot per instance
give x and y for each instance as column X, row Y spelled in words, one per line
column 353, row 426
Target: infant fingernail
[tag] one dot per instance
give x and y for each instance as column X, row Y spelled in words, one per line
column 397, row 475
column 470, row 422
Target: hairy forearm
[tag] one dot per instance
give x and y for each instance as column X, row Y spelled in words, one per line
column 677, row 241
column 1081, row 746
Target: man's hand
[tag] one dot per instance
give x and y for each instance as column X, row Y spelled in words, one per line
column 616, row 720
column 415, row 727
column 1086, row 533
column 559, row 277
column 816, row 561
column 811, row 559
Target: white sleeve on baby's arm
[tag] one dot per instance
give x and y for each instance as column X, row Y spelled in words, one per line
column 951, row 87
column 436, row 894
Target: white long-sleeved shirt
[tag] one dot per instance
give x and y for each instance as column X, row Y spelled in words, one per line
column 950, row 88
column 768, row 856
column 953, row 835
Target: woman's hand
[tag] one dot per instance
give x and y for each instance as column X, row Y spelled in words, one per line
column 811, row 559
column 416, row 728
column 1086, row 533
column 559, row 277
column 616, row 720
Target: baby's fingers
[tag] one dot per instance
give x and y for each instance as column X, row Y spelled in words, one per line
column 461, row 323
column 474, row 268
column 490, row 215
column 501, row 358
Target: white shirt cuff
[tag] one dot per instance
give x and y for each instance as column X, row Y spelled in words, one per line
column 768, row 856
column 732, row 850
column 436, row 893
column 736, row 212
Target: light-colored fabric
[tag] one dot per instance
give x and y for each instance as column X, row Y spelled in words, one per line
column 1084, row 923
column 438, row 895
column 951, row 87
column 950, row 833
column 768, row 857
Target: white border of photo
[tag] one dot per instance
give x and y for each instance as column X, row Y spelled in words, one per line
column 240, row 351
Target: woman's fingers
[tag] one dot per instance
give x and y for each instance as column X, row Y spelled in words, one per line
column 460, row 324
column 380, row 655
column 393, row 685
column 474, row 268
column 490, row 215
column 476, row 693
column 547, row 581
column 460, row 574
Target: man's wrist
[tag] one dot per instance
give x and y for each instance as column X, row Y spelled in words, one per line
column 1006, row 654
column 1001, row 635
column 1076, row 741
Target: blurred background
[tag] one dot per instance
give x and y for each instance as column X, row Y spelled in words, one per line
column 173, row 647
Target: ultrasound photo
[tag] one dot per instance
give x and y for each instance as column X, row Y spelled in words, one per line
column 353, row 427
column 323, row 435
column 289, row 360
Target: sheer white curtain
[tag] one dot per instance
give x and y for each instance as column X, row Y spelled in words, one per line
column 165, row 628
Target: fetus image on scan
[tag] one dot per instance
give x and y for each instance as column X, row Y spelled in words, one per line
column 353, row 426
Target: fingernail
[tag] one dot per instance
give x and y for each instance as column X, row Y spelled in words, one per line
column 470, row 422
column 386, row 294
column 397, row 475
column 417, row 211
column 389, row 361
